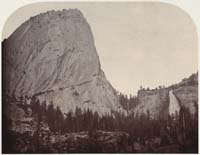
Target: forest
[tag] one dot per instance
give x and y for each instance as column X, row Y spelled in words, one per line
column 180, row 129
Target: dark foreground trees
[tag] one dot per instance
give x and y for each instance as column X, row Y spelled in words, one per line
column 180, row 129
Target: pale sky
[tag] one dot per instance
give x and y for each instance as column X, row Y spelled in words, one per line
column 148, row 44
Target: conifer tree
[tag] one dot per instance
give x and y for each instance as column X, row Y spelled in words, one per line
column 51, row 116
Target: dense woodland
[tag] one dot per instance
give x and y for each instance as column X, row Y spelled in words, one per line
column 128, row 102
column 180, row 129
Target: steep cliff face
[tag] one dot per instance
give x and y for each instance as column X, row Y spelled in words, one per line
column 53, row 56
column 187, row 92
column 157, row 101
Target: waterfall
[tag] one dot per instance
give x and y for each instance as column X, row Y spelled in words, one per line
column 173, row 103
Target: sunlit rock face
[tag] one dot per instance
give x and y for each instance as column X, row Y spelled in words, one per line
column 53, row 56
column 155, row 101
column 187, row 95
column 187, row 92
column 167, row 100
column 174, row 106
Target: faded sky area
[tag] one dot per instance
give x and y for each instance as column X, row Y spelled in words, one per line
column 139, row 43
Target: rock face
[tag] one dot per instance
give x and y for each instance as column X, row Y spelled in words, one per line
column 53, row 56
column 157, row 101
column 187, row 95
column 83, row 142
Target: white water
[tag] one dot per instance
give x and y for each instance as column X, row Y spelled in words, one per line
column 173, row 103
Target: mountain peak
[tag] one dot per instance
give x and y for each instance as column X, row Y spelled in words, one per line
column 53, row 56
column 59, row 14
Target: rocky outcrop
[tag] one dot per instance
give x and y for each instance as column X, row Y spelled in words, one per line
column 45, row 141
column 53, row 56
column 19, row 117
column 84, row 142
column 157, row 100
column 187, row 95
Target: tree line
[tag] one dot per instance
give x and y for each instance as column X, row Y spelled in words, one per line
column 128, row 102
column 181, row 128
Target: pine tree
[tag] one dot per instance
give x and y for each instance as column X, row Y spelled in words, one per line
column 95, row 121
column 69, row 122
column 51, row 117
column 58, row 120
column 78, row 118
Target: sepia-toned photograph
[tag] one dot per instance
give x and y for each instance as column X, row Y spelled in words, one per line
column 99, row 77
